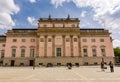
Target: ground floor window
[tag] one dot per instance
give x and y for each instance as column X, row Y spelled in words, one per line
column 85, row 52
column 94, row 51
column 13, row 52
column 103, row 51
column 58, row 51
column 2, row 53
column 22, row 52
column 31, row 52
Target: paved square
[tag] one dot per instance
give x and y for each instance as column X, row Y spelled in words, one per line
column 58, row 74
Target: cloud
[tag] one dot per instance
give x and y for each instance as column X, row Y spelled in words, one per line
column 31, row 20
column 32, row 1
column 58, row 2
column 116, row 43
column 7, row 8
column 83, row 14
column 106, row 12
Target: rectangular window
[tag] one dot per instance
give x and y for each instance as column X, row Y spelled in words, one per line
column 32, row 40
column 22, row 52
column 31, row 52
column 2, row 53
column 93, row 40
column 49, row 40
column 75, row 39
column 13, row 52
column 84, row 40
column 41, row 40
column 85, row 52
column 94, row 52
column 14, row 40
column 67, row 40
column 3, row 45
column 58, row 52
column 23, row 40
column 101, row 40
column 103, row 52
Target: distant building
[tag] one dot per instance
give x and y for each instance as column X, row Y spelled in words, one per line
column 56, row 41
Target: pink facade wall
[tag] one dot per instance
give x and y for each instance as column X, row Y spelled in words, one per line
column 58, row 44
column 70, row 24
column 67, row 47
column 49, row 46
column 41, row 46
column 60, row 24
column 107, row 43
column 18, row 44
column 75, row 47
column 47, row 24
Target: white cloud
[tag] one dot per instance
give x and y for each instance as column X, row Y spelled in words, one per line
column 31, row 20
column 58, row 2
column 32, row 1
column 116, row 43
column 100, row 6
column 7, row 8
column 104, row 12
column 83, row 14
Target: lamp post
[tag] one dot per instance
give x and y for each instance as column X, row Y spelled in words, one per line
column 33, row 62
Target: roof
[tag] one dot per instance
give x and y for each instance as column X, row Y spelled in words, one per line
column 24, row 29
column 2, row 35
column 92, row 29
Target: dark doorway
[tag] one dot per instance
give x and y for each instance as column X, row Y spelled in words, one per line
column 12, row 62
column 1, row 63
column 31, row 62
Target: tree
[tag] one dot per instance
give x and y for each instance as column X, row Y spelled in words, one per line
column 117, row 51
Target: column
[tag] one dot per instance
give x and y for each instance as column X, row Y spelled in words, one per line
column 53, row 45
column 63, row 45
column 71, row 44
column 79, row 48
column 37, row 46
column 45, row 46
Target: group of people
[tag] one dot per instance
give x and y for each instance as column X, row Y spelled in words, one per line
column 103, row 66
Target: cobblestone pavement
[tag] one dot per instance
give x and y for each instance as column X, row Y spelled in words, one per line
column 58, row 74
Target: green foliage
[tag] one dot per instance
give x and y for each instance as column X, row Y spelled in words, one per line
column 117, row 51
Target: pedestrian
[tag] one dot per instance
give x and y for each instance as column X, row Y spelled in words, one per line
column 111, row 66
column 69, row 66
column 102, row 65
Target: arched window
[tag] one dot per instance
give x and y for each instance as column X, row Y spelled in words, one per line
column 103, row 51
column 32, row 50
column 94, row 51
column 13, row 49
column 85, row 51
column 23, row 51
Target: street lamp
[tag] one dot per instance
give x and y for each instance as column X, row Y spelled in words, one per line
column 33, row 62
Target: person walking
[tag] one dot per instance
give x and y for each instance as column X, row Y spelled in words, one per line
column 111, row 66
column 102, row 65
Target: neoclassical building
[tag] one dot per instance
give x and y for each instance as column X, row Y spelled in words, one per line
column 56, row 41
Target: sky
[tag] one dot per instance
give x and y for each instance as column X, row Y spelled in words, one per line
column 91, row 13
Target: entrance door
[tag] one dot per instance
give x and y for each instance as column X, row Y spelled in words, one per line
column 12, row 62
column 31, row 62
column 58, row 50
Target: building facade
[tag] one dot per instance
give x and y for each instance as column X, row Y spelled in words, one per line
column 56, row 41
